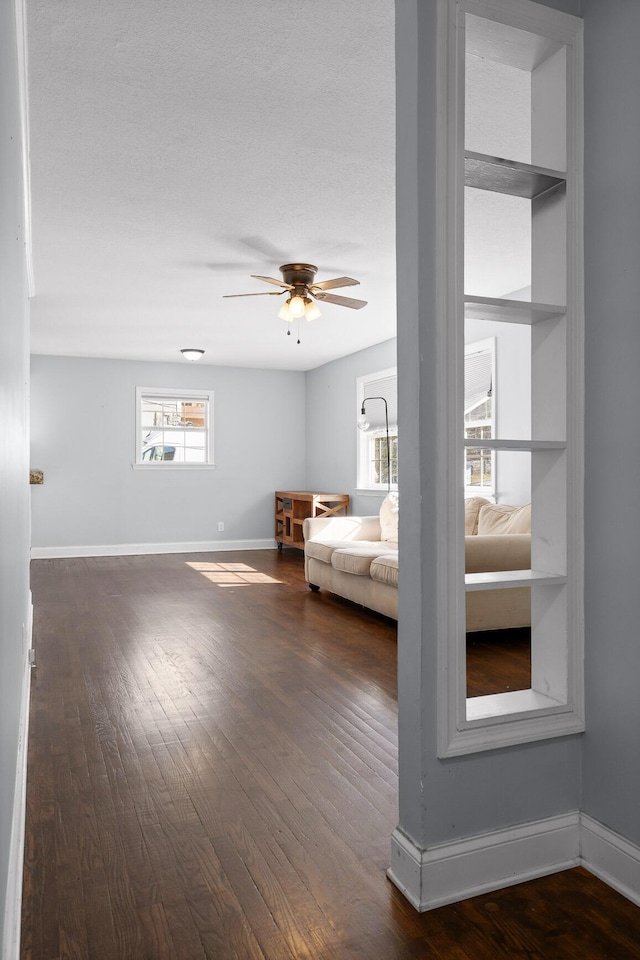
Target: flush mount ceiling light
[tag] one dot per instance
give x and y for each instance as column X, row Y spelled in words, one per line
column 298, row 282
column 192, row 353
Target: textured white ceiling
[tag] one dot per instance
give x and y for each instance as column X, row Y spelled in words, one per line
column 178, row 146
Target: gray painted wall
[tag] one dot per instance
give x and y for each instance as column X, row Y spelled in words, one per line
column 14, row 460
column 440, row 800
column 83, row 437
column 611, row 772
column 332, row 414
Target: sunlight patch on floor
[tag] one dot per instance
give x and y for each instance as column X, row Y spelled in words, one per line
column 231, row 574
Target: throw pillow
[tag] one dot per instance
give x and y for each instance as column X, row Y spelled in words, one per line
column 389, row 517
column 471, row 510
column 500, row 518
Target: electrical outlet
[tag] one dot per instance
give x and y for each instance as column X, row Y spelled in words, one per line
column 221, row 526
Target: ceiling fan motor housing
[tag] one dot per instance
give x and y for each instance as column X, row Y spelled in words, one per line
column 298, row 274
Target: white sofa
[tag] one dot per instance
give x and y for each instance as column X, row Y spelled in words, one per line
column 357, row 558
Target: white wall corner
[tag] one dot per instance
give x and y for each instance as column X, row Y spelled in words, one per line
column 461, row 869
column 610, row 857
column 13, row 902
column 450, row 872
column 406, row 868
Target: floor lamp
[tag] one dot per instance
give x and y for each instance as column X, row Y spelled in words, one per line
column 364, row 424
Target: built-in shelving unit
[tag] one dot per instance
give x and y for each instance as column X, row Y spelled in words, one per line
column 509, row 176
column 545, row 114
column 527, row 445
column 502, row 579
column 510, row 311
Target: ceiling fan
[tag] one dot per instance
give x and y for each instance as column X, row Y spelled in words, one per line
column 298, row 282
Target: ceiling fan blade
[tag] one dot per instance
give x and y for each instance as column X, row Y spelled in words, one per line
column 332, row 284
column 341, row 301
column 278, row 283
column 268, row 293
column 268, row 251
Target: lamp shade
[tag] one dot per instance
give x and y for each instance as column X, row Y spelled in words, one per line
column 284, row 313
column 296, row 306
column 311, row 311
column 192, row 353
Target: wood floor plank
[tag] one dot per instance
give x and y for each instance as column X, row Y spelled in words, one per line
column 212, row 773
column 157, row 934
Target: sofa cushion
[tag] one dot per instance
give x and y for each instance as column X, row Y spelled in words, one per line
column 389, row 517
column 323, row 549
column 500, row 518
column 357, row 559
column 385, row 570
column 471, row 510
column 497, row 552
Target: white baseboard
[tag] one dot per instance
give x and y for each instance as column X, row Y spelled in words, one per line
column 610, row 857
column 13, row 902
column 134, row 549
column 465, row 868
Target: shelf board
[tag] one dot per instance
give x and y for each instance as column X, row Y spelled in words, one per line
column 510, row 311
column 508, row 176
column 527, row 445
column 504, row 579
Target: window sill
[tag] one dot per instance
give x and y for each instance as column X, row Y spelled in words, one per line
column 479, row 492
column 375, row 491
column 167, row 465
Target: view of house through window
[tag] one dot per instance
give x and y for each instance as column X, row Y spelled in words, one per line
column 173, row 427
column 479, row 416
column 377, row 394
column 383, row 460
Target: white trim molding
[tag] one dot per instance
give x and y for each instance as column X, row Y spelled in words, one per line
column 23, row 82
column 133, row 549
column 450, row 872
column 610, row 857
column 13, row 901
column 465, row 868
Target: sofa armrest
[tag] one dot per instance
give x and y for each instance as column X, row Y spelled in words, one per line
column 341, row 528
column 507, row 551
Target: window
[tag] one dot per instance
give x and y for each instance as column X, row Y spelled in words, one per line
column 377, row 455
column 479, row 417
column 173, row 427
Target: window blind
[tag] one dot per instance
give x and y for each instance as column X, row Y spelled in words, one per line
column 477, row 379
column 374, row 409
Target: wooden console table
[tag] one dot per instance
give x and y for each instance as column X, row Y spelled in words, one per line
column 294, row 506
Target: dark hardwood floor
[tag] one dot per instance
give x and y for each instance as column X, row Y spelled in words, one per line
column 212, row 774
column 498, row 661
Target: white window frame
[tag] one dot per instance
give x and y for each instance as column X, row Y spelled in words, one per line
column 364, row 437
column 488, row 345
column 171, row 393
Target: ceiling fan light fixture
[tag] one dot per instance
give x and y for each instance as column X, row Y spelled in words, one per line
column 284, row 313
column 311, row 311
column 296, row 306
column 299, row 283
column 192, row 353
